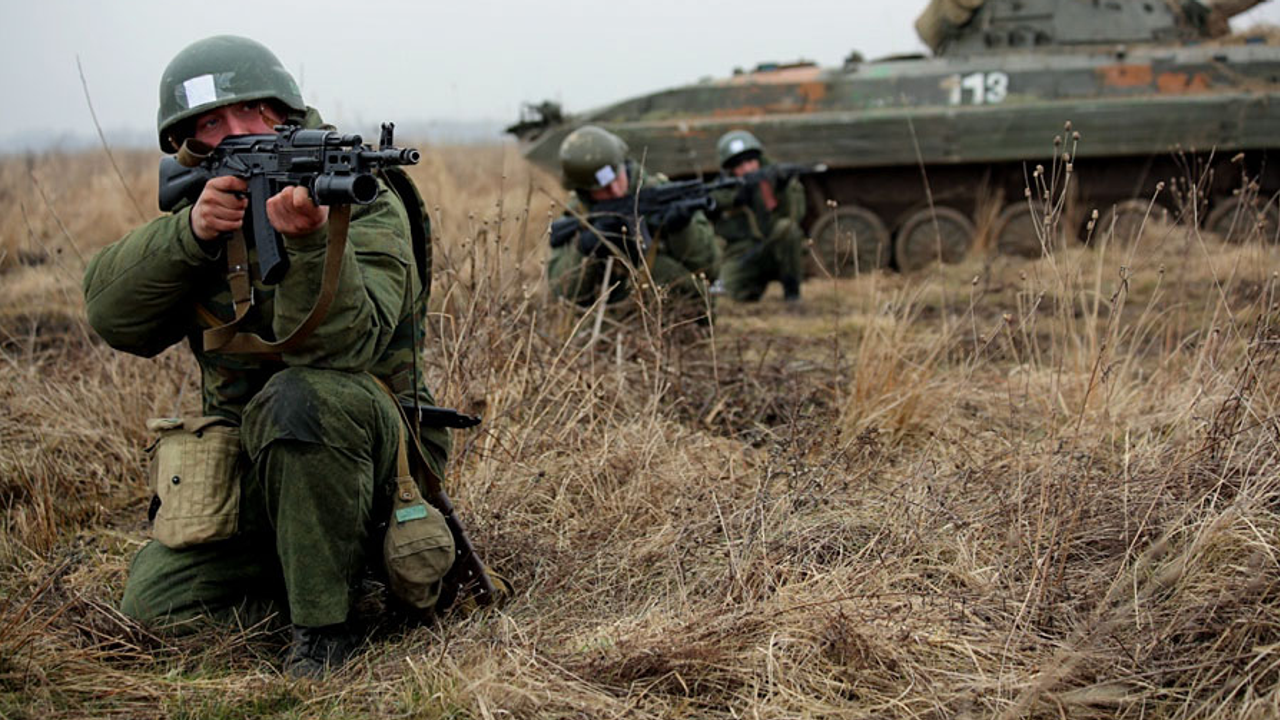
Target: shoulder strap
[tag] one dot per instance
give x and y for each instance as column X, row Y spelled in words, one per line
column 419, row 220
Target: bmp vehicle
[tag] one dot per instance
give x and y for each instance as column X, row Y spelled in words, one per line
column 1156, row 89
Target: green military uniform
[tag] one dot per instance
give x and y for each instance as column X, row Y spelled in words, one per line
column 319, row 434
column 683, row 263
column 761, row 226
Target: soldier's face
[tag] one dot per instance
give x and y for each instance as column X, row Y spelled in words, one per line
column 614, row 190
column 252, row 117
column 746, row 166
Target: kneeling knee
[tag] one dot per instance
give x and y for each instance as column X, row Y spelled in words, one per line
column 326, row 407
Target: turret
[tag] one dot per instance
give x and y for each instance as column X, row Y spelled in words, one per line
column 974, row 27
column 1221, row 11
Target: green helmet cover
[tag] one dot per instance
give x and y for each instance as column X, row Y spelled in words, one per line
column 591, row 158
column 217, row 71
column 735, row 143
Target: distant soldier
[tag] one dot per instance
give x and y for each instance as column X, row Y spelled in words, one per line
column 760, row 222
column 276, row 501
column 673, row 245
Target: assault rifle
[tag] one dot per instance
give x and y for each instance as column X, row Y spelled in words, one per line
column 337, row 169
column 776, row 174
column 780, row 173
column 666, row 206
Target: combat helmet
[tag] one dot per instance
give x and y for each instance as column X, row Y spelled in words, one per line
column 218, row 71
column 734, row 145
column 591, row 158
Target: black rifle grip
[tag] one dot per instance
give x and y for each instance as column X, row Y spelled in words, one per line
column 272, row 261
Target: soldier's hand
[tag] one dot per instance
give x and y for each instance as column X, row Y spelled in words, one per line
column 220, row 208
column 676, row 217
column 589, row 242
column 292, row 212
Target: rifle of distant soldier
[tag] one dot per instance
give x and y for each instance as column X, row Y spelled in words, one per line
column 667, row 206
column 336, row 169
column 777, row 174
column 626, row 221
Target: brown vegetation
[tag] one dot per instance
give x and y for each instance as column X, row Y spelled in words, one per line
column 1003, row 488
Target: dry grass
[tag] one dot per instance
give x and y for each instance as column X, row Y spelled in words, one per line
column 1004, row 488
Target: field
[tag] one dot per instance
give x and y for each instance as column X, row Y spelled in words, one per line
column 1005, row 488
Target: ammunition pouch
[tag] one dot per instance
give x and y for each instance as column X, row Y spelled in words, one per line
column 196, row 465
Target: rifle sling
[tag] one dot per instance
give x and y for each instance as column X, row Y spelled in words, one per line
column 651, row 254
column 467, row 567
column 408, row 427
column 228, row 339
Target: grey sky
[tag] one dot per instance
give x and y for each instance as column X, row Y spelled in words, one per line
column 414, row 62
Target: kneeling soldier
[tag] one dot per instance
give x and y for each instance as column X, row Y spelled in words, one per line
column 675, row 245
column 760, row 222
column 274, row 501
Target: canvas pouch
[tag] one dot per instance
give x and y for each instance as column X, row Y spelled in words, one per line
column 196, row 465
column 418, row 548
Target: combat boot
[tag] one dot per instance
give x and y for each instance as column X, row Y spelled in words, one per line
column 791, row 289
column 317, row 650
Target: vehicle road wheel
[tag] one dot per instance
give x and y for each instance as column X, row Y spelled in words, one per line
column 928, row 233
column 1017, row 231
column 847, row 241
column 1236, row 221
column 1127, row 217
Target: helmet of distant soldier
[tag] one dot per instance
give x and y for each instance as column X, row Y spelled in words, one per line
column 217, row 71
column 737, row 145
column 591, row 158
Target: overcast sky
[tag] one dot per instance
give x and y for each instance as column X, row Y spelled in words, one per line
column 419, row 61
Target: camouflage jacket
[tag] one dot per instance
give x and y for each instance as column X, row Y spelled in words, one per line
column 158, row 285
column 766, row 205
column 695, row 246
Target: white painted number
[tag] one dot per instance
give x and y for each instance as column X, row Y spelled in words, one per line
column 975, row 84
column 997, row 87
column 981, row 88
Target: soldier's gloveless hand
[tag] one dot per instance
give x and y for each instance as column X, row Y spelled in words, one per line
column 220, row 208
column 292, row 212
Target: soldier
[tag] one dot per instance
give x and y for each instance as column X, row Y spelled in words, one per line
column 760, row 222
column 304, row 447
column 678, row 250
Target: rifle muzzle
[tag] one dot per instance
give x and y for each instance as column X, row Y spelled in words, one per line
column 393, row 156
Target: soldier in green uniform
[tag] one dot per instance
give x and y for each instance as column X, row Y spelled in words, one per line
column 681, row 253
column 760, row 222
column 318, row 429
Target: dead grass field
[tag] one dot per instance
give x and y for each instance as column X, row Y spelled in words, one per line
column 1006, row 488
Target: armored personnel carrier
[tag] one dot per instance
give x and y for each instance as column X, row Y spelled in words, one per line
column 918, row 147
